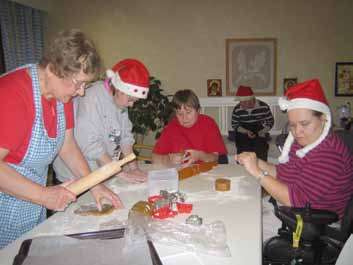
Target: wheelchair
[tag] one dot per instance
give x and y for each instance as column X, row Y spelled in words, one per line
column 317, row 243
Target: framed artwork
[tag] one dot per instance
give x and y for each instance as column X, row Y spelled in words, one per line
column 251, row 62
column 288, row 82
column 214, row 87
column 344, row 80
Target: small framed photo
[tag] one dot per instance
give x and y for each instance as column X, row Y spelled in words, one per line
column 214, row 87
column 288, row 82
column 344, row 79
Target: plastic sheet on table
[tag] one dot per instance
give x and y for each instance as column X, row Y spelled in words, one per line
column 208, row 239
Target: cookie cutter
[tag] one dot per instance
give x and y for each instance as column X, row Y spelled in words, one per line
column 194, row 219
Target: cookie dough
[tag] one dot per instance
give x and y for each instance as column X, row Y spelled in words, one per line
column 222, row 184
column 92, row 210
column 143, row 207
column 196, row 169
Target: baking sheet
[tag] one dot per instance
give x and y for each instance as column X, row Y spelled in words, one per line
column 103, row 248
column 182, row 258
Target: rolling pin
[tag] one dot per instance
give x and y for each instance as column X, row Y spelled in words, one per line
column 99, row 175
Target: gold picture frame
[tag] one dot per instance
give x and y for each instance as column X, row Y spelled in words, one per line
column 214, row 87
column 344, row 79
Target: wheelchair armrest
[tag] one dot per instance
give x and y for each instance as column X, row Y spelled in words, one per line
column 315, row 221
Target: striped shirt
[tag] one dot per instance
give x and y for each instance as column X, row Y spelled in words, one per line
column 257, row 119
column 324, row 177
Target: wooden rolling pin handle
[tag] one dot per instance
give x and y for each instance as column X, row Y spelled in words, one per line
column 99, row 175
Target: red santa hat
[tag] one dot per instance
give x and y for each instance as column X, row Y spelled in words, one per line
column 244, row 93
column 307, row 95
column 131, row 77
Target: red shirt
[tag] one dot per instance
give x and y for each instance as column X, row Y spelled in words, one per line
column 204, row 135
column 17, row 114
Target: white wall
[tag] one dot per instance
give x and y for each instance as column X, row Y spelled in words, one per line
column 183, row 42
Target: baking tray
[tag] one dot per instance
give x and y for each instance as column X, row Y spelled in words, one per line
column 104, row 235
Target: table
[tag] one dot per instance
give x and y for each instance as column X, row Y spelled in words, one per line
column 239, row 209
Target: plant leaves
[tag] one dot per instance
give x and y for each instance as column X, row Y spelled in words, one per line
column 152, row 113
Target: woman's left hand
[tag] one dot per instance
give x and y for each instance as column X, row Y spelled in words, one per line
column 249, row 161
column 100, row 192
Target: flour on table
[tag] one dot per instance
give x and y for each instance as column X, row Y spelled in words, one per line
column 238, row 191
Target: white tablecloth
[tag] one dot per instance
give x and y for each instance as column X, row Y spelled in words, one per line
column 239, row 209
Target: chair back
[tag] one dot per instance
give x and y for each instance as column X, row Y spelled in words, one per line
column 347, row 137
column 281, row 138
column 143, row 152
column 347, row 220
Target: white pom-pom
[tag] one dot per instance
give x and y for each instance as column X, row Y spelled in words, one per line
column 110, row 73
column 283, row 103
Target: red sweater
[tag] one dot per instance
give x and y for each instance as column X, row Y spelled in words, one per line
column 204, row 135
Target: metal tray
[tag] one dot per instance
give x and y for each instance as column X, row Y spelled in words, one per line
column 104, row 235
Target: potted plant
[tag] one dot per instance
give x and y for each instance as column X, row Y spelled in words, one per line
column 153, row 113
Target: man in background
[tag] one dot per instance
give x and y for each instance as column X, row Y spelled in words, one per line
column 252, row 119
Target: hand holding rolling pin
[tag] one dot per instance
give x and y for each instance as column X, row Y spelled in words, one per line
column 58, row 197
column 93, row 179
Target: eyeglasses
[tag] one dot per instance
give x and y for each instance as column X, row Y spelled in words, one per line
column 80, row 84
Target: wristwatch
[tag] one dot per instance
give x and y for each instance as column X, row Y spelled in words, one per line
column 262, row 175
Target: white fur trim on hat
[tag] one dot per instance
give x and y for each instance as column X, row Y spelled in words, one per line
column 244, row 98
column 129, row 89
column 305, row 104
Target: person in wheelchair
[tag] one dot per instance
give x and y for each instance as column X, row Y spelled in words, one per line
column 315, row 165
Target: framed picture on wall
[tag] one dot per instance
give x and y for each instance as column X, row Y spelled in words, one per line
column 288, row 82
column 214, row 87
column 251, row 62
column 344, row 79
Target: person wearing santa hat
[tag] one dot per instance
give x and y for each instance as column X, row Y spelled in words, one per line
column 103, row 128
column 252, row 119
column 36, row 116
column 315, row 165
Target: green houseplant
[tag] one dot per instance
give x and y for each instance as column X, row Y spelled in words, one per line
column 153, row 113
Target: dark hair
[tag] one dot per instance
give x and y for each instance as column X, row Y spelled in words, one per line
column 69, row 53
column 185, row 97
